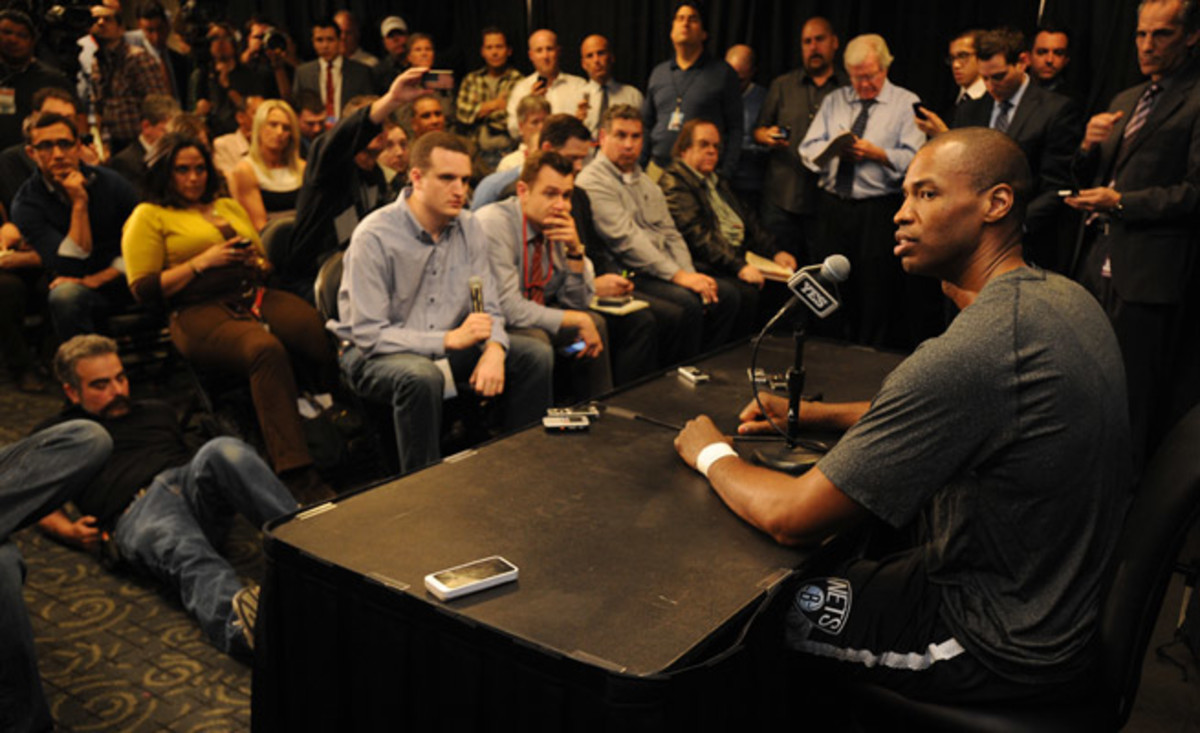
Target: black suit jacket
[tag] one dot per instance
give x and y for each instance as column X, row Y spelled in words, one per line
column 131, row 164
column 1047, row 127
column 357, row 80
column 1152, row 243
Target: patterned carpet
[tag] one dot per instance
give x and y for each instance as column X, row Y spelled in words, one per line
column 118, row 654
column 115, row 651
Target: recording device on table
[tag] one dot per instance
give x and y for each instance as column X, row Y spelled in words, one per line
column 470, row 577
column 815, row 293
column 438, row 79
column 693, row 374
column 570, row 419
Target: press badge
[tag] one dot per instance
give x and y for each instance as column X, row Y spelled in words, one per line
column 676, row 122
column 8, row 101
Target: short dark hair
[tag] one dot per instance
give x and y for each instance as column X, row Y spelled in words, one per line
column 492, row 30
column 308, row 100
column 75, row 350
column 41, row 95
column 19, row 17
column 46, row 119
column 687, row 134
column 1008, row 42
column 539, row 159
column 972, row 33
column 421, row 153
column 152, row 10
column 1049, row 27
column 620, row 112
column 327, row 21
column 158, row 108
column 697, row 5
column 559, row 128
column 992, row 158
column 160, row 188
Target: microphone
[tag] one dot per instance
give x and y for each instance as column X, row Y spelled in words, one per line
column 816, row 286
column 476, row 284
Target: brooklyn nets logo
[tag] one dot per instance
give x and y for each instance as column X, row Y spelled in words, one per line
column 826, row 603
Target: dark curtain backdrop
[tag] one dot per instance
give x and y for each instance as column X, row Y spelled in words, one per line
column 917, row 31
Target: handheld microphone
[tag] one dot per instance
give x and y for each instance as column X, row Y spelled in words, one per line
column 476, row 284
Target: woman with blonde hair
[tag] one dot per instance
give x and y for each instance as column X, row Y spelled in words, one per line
column 268, row 179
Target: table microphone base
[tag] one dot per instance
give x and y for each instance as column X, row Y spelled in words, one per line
column 795, row 460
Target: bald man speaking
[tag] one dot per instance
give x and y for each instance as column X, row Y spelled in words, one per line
column 1003, row 445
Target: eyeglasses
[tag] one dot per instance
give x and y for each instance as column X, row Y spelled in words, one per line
column 859, row 78
column 961, row 57
column 63, row 144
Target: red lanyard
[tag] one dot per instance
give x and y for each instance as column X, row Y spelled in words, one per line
column 531, row 284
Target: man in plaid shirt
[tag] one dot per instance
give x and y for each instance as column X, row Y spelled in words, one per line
column 122, row 77
column 483, row 99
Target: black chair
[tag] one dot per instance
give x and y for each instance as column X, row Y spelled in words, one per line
column 277, row 239
column 465, row 421
column 1165, row 507
column 325, row 287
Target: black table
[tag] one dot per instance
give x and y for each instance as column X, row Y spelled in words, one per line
column 633, row 577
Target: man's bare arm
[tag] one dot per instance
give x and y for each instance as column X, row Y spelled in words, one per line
column 794, row 511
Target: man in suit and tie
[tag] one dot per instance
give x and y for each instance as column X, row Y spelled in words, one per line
column 1137, row 250
column 336, row 78
column 1043, row 123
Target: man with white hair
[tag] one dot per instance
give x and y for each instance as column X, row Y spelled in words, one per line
column 860, row 145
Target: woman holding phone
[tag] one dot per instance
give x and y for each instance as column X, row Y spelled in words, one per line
column 197, row 253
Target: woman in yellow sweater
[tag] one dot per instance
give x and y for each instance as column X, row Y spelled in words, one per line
column 199, row 254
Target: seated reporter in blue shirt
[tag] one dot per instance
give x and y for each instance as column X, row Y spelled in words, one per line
column 405, row 315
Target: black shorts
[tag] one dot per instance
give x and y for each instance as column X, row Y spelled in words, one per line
column 878, row 621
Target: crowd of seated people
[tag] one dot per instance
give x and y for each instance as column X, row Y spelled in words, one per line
column 588, row 189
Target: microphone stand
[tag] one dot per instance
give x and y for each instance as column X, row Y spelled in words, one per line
column 793, row 457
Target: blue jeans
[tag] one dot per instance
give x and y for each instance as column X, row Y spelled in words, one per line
column 169, row 532
column 76, row 309
column 414, row 386
column 37, row 475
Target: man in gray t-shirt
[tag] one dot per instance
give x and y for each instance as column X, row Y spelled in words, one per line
column 1004, row 442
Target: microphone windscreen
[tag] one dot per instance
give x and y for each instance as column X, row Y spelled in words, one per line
column 835, row 268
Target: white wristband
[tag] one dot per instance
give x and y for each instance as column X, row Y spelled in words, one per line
column 712, row 453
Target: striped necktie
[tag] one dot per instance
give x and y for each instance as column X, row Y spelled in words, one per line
column 1141, row 112
column 1004, row 117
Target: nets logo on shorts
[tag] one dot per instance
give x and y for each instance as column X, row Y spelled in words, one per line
column 826, row 603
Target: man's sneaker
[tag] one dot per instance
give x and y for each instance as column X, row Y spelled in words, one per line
column 245, row 611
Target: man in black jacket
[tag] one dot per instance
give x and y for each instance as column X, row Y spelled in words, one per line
column 342, row 184
column 719, row 229
column 1045, row 125
column 1137, row 249
column 157, row 500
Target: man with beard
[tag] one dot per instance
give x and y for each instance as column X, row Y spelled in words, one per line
column 158, row 501
column 790, row 189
